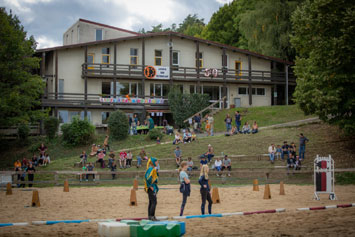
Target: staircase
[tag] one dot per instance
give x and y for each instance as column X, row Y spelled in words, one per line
column 213, row 108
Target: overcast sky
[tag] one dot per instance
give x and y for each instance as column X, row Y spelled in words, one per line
column 47, row 20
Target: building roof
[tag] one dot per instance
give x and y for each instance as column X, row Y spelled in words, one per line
column 170, row 34
column 108, row 26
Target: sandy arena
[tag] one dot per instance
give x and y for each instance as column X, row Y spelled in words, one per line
column 113, row 202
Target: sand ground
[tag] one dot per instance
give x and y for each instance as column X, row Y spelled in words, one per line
column 113, row 202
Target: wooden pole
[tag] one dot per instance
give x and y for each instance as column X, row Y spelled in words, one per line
column 66, row 186
column 133, row 198
column 267, row 193
column 135, row 184
column 282, row 188
column 8, row 189
column 255, row 185
column 35, row 199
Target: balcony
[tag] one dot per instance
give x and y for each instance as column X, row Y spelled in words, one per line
column 189, row 74
column 75, row 100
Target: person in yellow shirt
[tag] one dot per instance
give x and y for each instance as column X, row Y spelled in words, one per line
column 17, row 166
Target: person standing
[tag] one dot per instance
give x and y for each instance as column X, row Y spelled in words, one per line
column 150, row 123
column 272, row 151
column 211, row 123
column 17, row 167
column 151, row 186
column 238, row 120
column 130, row 120
column 185, row 188
column 31, row 170
column 205, row 190
column 135, row 124
column 228, row 121
column 302, row 150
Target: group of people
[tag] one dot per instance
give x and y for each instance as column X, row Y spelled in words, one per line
column 134, row 123
column 246, row 129
column 290, row 152
column 186, row 137
column 151, row 187
column 27, row 167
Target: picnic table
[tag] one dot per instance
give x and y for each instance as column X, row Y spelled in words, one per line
column 145, row 129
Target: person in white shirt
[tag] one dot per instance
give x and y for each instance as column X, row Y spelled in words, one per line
column 272, row 151
column 218, row 165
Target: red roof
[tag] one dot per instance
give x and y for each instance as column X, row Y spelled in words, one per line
column 107, row 26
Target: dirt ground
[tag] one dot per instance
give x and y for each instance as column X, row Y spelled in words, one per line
column 113, row 202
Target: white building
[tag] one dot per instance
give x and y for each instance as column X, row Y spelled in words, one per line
column 95, row 73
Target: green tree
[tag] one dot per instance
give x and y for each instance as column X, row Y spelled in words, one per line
column 118, row 125
column 78, row 132
column 267, row 28
column 224, row 24
column 323, row 36
column 183, row 106
column 191, row 25
column 20, row 89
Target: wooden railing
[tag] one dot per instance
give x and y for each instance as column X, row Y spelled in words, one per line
column 184, row 73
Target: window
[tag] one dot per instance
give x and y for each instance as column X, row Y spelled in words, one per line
column 88, row 115
column 91, row 59
column 104, row 117
column 106, row 89
column 260, row 91
column 242, row 91
column 192, row 89
column 158, row 90
column 238, row 69
column 176, row 60
column 199, row 60
column 99, row 34
column 158, row 57
column 63, row 116
column 212, row 91
column 105, row 56
column 61, row 88
column 181, row 87
column 122, row 89
column 133, row 59
column 73, row 114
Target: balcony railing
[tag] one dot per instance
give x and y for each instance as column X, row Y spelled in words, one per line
column 185, row 73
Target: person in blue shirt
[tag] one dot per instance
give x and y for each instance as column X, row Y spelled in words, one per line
column 238, row 120
column 303, row 141
column 151, row 186
column 203, row 161
column 185, row 188
column 205, row 190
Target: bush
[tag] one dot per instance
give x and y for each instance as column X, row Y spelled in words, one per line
column 78, row 132
column 23, row 131
column 118, row 125
column 154, row 133
column 51, row 125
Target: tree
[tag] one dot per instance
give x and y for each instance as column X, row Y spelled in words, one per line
column 118, row 125
column 78, row 132
column 267, row 28
column 224, row 24
column 183, row 106
column 323, row 36
column 191, row 25
column 20, row 89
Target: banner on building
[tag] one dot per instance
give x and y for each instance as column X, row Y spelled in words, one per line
column 132, row 100
column 157, row 72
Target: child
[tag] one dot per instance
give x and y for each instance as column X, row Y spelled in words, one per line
column 100, row 158
column 83, row 158
column 297, row 163
column 139, row 161
column 111, row 159
column 123, row 156
column 47, row 160
column 246, row 128
column 158, row 140
column 205, row 190
column 193, row 136
column 185, row 188
column 190, row 164
column 129, row 159
column 278, row 152
column 203, row 161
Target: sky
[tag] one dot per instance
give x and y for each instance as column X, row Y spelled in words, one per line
column 47, row 20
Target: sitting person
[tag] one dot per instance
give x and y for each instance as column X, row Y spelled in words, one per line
column 203, row 161
column 41, row 159
column 210, row 153
column 100, row 158
column 106, row 145
column 169, row 130
column 278, row 152
column 83, row 158
column 90, row 168
column 234, row 130
column 290, row 162
column 143, row 154
column 47, row 160
column 123, row 156
column 246, row 128
column 129, row 159
column 158, row 140
column 255, row 128
column 113, row 169
column 177, row 139
column 272, row 151
column 94, row 150
column 190, row 164
column 42, row 150
column 186, row 137
column 218, row 165
column 139, row 162
column 178, row 156
column 227, row 164
column 111, row 159
column 298, row 164
column 34, row 160
column 193, row 136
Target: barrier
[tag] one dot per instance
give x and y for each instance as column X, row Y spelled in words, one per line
column 215, row 196
column 8, row 189
column 282, row 188
column 133, row 198
column 326, row 207
column 267, row 193
column 324, row 177
column 255, row 185
column 66, row 186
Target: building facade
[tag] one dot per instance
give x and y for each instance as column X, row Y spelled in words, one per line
column 135, row 72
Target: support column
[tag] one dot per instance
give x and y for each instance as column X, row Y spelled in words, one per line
column 171, row 59
column 275, row 94
column 249, row 84
column 56, row 75
column 197, row 61
column 286, row 89
column 143, row 65
column 114, row 69
column 85, row 83
column 43, row 75
column 224, row 70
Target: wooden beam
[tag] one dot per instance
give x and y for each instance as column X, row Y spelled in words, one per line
column 85, row 82
column 286, row 86
column 197, row 62
column 249, row 78
column 224, row 71
column 171, row 59
column 143, row 65
column 56, row 75
column 114, row 69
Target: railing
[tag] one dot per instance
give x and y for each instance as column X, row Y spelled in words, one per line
column 210, row 107
column 183, row 73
